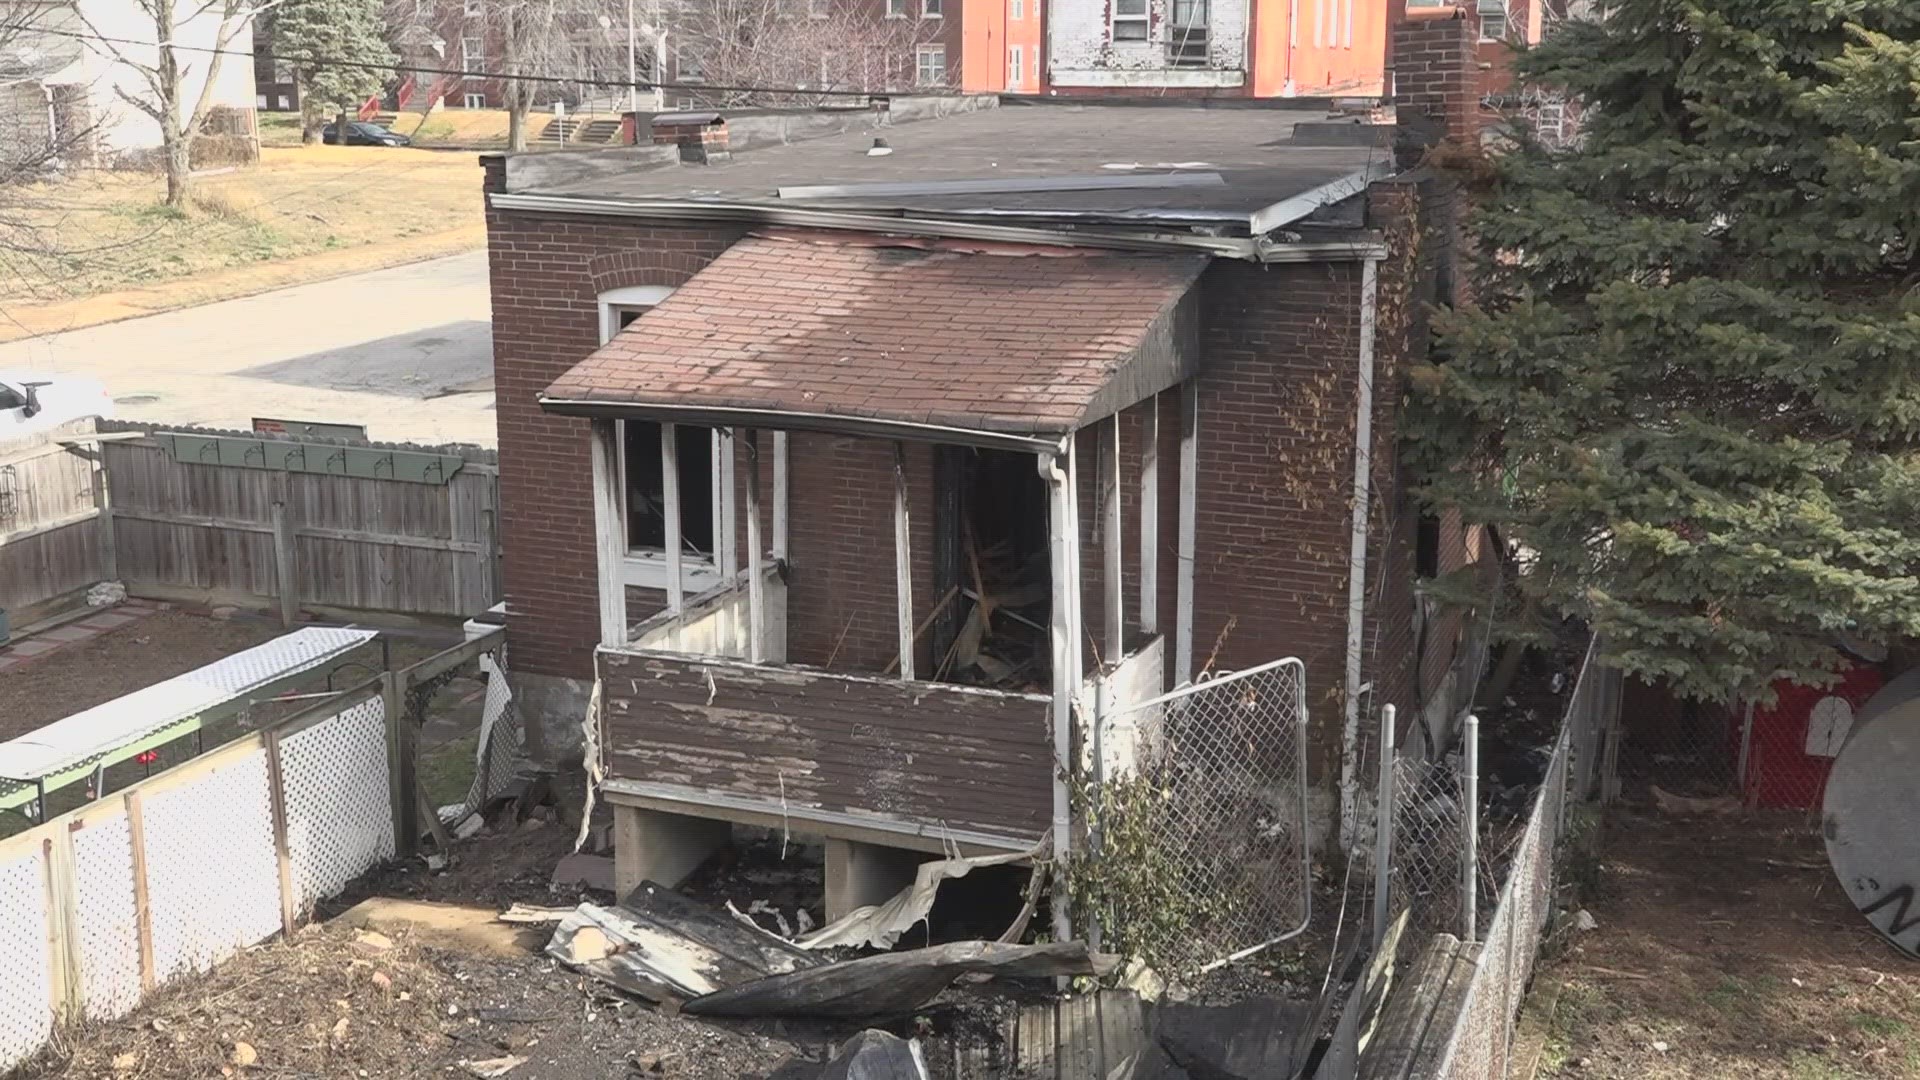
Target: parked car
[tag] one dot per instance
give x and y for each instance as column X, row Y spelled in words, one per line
column 361, row 133
column 35, row 401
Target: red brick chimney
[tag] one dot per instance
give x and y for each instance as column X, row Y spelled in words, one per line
column 701, row 136
column 1436, row 81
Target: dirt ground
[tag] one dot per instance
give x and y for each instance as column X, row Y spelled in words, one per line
column 1724, row 948
column 119, row 662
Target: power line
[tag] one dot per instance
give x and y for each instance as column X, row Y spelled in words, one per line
column 589, row 80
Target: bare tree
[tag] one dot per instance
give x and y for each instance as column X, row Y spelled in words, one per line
column 168, row 67
column 796, row 52
column 39, row 134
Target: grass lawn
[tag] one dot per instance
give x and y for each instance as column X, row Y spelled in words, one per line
column 111, row 231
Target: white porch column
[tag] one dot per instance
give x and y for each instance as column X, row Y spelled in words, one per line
column 609, row 532
column 1063, row 547
column 756, row 601
column 780, row 495
column 670, row 485
column 1113, row 547
column 902, row 561
column 1150, row 522
column 1183, row 580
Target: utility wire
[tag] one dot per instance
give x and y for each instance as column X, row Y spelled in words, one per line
column 590, row 80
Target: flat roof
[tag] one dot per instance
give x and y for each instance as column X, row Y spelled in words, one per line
column 1092, row 162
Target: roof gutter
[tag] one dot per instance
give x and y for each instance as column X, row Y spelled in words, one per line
column 1288, row 211
column 784, row 420
column 1250, row 249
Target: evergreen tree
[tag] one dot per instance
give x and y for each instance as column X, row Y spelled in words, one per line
column 1690, row 390
column 331, row 30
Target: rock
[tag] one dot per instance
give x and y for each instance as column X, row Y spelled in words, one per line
column 1583, row 920
column 106, row 594
column 340, row 1029
column 382, row 980
column 224, row 612
column 646, row 1063
column 372, row 941
column 244, row 1055
column 590, row 871
column 1660, row 1047
column 493, row 1067
column 125, row 1062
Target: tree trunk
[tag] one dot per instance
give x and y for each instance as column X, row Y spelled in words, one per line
column 517, row 111
column 177, row 147
column 340, row 128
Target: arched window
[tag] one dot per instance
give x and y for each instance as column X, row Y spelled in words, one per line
column 642, row 473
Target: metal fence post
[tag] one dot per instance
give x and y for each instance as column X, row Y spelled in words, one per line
column 1383, row 829
column 1470, row 834
column 401, row 778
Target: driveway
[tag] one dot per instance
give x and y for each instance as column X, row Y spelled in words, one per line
column 406, row 351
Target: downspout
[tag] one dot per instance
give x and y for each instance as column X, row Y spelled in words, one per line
column 1063, row 537
column 1357, row 554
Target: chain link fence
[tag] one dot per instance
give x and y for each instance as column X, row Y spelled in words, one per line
column 1201, row 851
column 1472, row 1031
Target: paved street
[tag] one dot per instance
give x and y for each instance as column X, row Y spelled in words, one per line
column 407, row 351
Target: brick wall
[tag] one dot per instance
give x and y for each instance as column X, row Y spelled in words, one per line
column 547, row 272
column 1276, row 430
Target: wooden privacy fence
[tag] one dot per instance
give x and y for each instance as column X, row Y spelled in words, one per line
column 54, row 541
column 248, row 519
column 103, row 905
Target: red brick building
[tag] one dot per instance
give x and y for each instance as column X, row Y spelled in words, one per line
column 849, row 468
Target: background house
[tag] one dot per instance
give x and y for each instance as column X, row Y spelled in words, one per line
column 73, row 63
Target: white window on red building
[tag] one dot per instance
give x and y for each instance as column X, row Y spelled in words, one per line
column 930, row 65
column 1129, row 20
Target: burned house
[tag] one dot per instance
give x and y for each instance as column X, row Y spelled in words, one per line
column 851, row 484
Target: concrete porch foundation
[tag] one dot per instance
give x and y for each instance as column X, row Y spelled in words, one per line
column 860, row 874
column 652, row 845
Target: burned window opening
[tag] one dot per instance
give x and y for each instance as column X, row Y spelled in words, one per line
column 991, row 553
column 647, row 489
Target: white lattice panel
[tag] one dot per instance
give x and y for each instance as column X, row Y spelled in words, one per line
column 26, row 1010
column 108, row 925
column 339, row 809
column 213, row 881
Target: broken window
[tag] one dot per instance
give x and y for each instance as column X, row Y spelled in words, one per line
column 1129, row 20
column 643, row 471
column 646, row 488
column 991, row 561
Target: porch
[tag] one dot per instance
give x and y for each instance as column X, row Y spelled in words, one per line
column 979, row 679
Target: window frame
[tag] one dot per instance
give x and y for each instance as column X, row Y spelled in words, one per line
column 1506, row 15
column 473, row 9
column 646, row 568
column 1143, row 20
column 897, row 9
column 1017, row 10
column 1016, row 66
column 932, row 9
column 470, row 64
column 920, row 52
column 467, row 100
column 681, row 53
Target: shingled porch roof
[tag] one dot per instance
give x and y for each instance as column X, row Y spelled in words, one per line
column 906, row 340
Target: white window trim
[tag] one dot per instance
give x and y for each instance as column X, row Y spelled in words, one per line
column 472, row 8
column 467, row 100
column 1017, row 10
column 1506, row 17
column 925, row 14
column 919, row 51
column 905, row 5
column 1347, row 40
column 1016, row 67
column 646, row 568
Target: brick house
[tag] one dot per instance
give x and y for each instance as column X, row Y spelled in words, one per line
column 841, row 473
